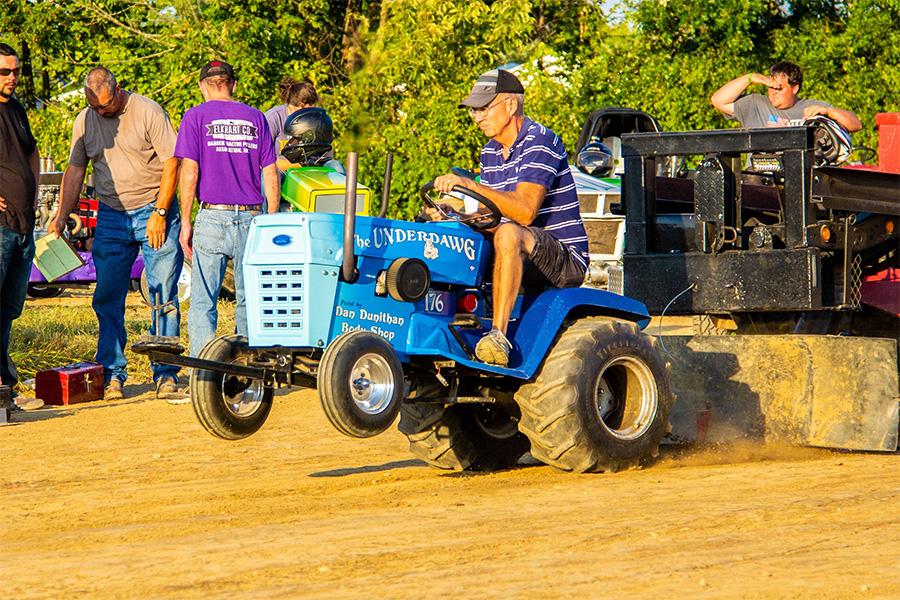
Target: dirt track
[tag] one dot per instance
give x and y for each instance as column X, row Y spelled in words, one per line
column 133, row 499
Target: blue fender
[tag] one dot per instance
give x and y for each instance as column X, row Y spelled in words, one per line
column 536, row 322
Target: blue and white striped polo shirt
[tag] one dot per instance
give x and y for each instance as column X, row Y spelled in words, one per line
column 538, row 156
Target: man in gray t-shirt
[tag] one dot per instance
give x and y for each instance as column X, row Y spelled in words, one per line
column 781, row 107
column 131, row 143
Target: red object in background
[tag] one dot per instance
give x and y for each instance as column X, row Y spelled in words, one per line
column 81, row 382
column 886, row 275
column 888, row 141
column 882, row 290
column 702, row 425
column 87, row 210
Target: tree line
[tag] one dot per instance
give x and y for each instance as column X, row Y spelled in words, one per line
column 392, row 72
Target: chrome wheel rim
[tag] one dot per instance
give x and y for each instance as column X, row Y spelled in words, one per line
column 372, row 383
column 248, row 396
column 626, row 398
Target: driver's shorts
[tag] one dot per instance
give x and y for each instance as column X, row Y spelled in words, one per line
column 551, row 263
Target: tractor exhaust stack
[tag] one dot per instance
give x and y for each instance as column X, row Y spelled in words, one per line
column 386, row 189
column 348, row 266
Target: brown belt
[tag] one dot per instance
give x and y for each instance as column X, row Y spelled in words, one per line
column 237, row 207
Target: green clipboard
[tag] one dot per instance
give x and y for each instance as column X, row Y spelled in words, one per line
column 54, row 257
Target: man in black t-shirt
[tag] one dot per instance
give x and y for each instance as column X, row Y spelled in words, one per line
column 19, row 169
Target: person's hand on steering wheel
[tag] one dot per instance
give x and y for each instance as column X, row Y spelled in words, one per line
column 445, row 183
column 442, row 212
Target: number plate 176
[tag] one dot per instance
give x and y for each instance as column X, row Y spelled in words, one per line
column 438, row 302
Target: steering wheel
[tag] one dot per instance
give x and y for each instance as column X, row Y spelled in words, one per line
column 477, row 222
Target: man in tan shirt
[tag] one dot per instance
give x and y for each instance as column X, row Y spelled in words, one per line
column 131, row 143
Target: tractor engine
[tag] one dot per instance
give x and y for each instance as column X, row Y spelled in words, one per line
column 83, row 219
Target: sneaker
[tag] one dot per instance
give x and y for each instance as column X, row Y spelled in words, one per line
column 26, row 403
column 182, row 397
column 493, row 349
column 165, row 387
column 112, row 390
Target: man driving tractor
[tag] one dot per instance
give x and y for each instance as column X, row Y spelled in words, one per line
column 525, row 172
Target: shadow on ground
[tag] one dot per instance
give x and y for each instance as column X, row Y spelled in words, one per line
column 389, row 466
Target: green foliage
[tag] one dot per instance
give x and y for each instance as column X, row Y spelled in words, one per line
column 419, row 65
column 52, row 336
column 392, row 73
column 551, row 90
column 678, row 52
column 52, row 127
column 47, row 336
column 850, row 60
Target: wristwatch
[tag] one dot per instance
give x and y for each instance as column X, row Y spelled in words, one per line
column 161, row 212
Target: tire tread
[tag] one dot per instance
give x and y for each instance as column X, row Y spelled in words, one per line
column 549, row 405
column 209, row 410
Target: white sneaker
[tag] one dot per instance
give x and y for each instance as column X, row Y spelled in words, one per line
column 26, row 403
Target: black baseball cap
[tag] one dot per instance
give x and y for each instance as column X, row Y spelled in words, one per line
column 495, row 81
column 216, row 67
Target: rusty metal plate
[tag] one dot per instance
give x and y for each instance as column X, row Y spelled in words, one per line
column 804, row 390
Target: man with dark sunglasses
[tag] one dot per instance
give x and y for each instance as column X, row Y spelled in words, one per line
column 525, row 172
column 19, row 169
column 131, row 144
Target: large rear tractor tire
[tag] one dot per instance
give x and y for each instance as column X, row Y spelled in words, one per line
column 601, row 400
column 228, row 406
column 476, row 437
column 360, row 383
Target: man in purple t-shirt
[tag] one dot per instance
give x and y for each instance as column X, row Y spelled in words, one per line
column 224, row 145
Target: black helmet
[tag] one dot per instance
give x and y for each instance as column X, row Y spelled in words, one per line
column 311, row 133
column 595, row 159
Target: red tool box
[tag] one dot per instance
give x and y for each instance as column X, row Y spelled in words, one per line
column 81, row 382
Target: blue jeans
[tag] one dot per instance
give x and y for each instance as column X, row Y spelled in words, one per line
column 118, row 238
column 218, row 236
column 16, row 254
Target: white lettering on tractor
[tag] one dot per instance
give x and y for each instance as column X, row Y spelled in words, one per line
column 343, row 312
column 388, row 335
column 385, row 236
column 382, row 317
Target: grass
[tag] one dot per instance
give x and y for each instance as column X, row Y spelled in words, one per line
column 54, row 334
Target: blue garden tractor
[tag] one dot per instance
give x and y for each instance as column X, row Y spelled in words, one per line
column 382, row 317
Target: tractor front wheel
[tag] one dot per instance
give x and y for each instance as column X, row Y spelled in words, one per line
column 360, row 383
column 601, row 400
column 228, row 406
